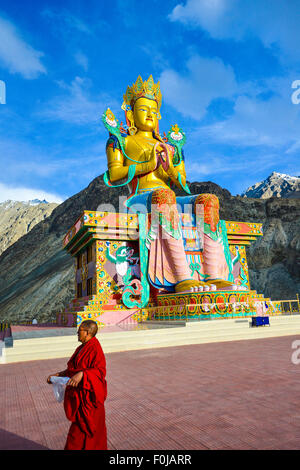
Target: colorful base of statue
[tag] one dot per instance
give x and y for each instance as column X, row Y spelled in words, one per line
column 108, row 270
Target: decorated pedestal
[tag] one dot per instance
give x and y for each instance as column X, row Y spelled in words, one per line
column 107, row 257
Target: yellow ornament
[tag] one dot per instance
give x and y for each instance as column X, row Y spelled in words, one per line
column 110, row 118
column 175, row 129
column 110, row 115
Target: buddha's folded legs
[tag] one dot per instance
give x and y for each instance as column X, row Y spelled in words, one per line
column 167, row 261
column 214, row 260
column 168, row 266
column 215, row 265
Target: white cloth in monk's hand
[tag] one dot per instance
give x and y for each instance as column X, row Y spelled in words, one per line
column 59, row 385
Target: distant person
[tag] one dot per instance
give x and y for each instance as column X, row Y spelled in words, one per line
column 86, row 392
column 34, row 321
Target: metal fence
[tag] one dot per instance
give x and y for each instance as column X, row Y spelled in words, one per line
column 5, row 330
column 288, row 307
column 188, row 312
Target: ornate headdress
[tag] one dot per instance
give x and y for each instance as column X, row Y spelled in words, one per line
column 139, row 89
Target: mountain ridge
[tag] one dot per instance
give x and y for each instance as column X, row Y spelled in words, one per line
column 19, row 217
column 275, row 185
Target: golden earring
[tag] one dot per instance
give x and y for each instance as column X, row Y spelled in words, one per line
column 132, row 130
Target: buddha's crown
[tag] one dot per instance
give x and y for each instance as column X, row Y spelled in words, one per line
column 139, row 89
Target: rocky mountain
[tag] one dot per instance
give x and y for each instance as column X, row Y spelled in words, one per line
column 17, row 218
column 37, row 276
column 276, row 185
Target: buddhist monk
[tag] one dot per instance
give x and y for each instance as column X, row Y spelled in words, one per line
column 86, row 392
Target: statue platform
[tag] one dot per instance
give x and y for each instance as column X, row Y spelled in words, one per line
column 105, row 247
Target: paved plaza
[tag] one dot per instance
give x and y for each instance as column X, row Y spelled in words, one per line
column 228, row 395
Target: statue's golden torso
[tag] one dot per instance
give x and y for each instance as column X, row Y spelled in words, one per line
column 153, row 163
column 139, row 148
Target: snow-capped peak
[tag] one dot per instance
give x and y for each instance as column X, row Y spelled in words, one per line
column 275, row 185
column 34, row 202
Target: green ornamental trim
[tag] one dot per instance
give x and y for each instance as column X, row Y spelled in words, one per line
column 129, row 290
column 177, row 138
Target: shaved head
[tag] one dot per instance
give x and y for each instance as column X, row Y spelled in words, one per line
column 91, row 327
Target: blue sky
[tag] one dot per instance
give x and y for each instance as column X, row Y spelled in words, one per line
column 226, row 69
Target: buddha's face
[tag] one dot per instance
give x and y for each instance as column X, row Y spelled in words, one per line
column 145, row 114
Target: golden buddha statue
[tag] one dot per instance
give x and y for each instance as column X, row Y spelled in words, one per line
column 150, row 166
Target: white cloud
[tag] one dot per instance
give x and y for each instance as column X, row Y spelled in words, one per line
column 222, row 164
column 206, row 13
column 191, row 92
column 25, row 161
column 295, row 147
column 26, row 194
column 76, row 105
column 263, row 113
column 273, row 123
column 65, row 19
column 263, row 117
column 275, row 22
column 16, row 55
column 82, row 60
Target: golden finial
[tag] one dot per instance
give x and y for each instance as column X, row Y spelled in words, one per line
column 175, row 128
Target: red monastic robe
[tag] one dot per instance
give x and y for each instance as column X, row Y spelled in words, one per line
column 84, row 404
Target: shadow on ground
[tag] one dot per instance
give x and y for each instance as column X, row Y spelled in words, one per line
column 10, row 441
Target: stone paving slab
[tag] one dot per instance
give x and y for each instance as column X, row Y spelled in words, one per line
column 227, row 395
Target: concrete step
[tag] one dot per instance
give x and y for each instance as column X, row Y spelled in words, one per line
column 210, row 326
column 193, row 333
